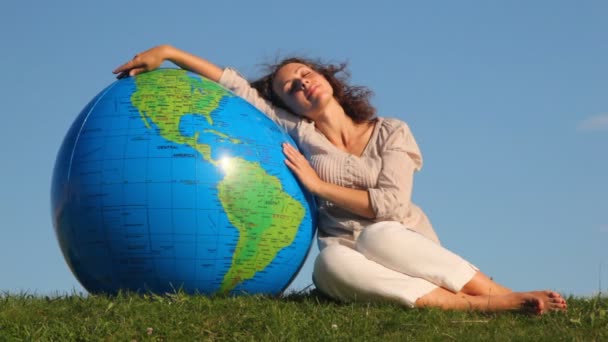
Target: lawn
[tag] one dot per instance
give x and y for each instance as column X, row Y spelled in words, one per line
column 296, row 317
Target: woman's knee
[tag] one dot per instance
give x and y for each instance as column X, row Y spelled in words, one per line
column 347, row 275
column 337, row 266
column 330, row 260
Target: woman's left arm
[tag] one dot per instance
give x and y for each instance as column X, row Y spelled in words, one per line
column 400, row 159
column 353, row 200
column 392, row 193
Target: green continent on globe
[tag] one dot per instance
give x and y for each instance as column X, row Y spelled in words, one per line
column 165, row 97
column 266, row 217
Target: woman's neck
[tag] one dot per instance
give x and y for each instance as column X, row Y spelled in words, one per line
column 340, row 129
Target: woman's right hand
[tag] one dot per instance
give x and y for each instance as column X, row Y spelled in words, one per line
column 145, row 61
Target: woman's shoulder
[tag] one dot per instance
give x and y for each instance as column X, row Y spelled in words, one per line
column 395, row 135
column 390, row 126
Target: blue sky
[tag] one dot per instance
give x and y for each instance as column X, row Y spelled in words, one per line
column 508, row 101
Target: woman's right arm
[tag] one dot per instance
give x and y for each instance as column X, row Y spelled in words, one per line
column 152, row 59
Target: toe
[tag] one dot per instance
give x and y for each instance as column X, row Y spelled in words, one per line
column 554, row 294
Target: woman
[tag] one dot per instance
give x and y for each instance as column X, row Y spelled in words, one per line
column 375, row 244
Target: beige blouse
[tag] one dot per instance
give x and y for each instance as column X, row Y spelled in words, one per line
column 385, row 169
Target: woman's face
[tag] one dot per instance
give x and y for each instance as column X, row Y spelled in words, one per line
column 303, row 90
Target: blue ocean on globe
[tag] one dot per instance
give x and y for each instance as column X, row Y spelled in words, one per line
column 166, row 181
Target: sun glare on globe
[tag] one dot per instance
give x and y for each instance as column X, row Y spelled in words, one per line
column 227, row 164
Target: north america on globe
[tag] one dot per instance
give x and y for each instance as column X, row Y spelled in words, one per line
column 169, row 180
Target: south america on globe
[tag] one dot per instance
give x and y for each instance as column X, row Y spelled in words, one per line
column 167, row 181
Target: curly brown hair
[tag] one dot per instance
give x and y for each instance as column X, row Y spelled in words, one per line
column 354, row 99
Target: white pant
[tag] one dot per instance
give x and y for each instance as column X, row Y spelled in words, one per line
column 389, row 263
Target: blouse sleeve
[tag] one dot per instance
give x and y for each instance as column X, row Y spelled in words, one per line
column 400, row 159
column 232, row 80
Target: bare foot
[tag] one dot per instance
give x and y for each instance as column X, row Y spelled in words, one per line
column 552, row 300
column 534, row 302
column 525, row 302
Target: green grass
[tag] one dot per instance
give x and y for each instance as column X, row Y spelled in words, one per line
column 308, row 317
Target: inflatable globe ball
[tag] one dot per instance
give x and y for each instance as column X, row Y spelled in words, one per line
column 168, row 181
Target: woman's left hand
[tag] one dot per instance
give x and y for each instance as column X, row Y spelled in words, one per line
column 301, row 167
